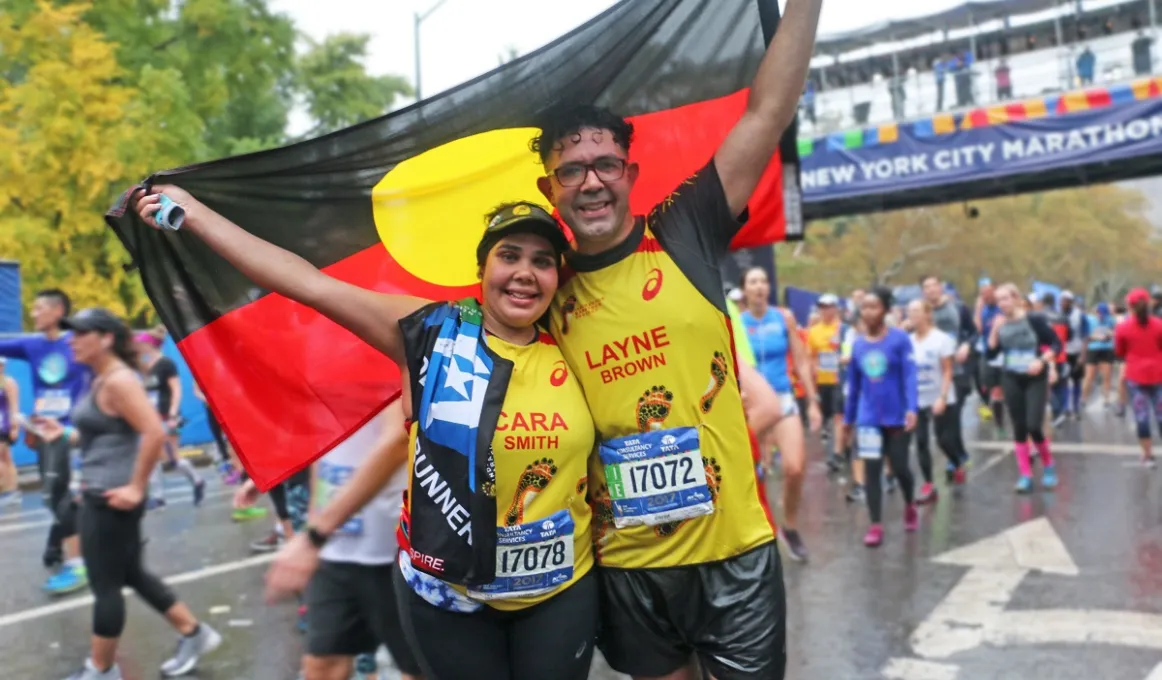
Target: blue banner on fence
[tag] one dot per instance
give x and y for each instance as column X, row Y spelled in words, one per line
column 918, row 161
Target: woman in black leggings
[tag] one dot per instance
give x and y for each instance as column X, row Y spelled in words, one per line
column 1028, row 347
column 120, row 436
column 933, row 350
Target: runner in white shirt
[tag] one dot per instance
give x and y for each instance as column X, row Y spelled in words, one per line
column 350, row 554
column 933, row 350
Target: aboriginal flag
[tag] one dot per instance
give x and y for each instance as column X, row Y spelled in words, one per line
column 396, row 204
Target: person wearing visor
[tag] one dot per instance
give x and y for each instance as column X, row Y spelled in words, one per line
column 496, row 551
column 120, row 436
column 824, row 341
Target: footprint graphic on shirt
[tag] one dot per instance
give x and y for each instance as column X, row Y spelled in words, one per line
column 653, row 408
column 533, row 480
column 718, row 376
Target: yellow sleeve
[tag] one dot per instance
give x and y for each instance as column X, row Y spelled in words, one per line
column 742, row 346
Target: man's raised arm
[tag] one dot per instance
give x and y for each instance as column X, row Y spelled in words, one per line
column 774, row 98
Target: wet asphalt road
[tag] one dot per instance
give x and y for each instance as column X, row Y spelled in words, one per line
column 1070, row 588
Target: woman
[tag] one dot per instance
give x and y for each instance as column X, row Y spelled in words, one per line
column 484, row 598
column 1099, row 352
column 1027, row 348
column 775, row 338
column 856, row 493
column 881, row 408
column 120, row 437
column 1138, row 342
column 9, row 429
column 164, row 387
column 933, row 350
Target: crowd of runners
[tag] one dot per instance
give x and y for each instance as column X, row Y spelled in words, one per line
column 641, row 526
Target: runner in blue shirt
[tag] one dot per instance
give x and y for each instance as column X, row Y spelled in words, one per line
column 1099, row 356
column 881, row 407
column 57, row 383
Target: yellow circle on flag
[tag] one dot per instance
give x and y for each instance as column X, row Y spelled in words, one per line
column 430, row 209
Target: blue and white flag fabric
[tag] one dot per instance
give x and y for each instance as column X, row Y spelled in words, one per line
column 457, row 391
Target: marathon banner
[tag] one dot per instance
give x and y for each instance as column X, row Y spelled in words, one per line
column 397, row 205
column 977, row 156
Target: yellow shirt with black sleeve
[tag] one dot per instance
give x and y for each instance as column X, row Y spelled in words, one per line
column 542, row 445
column 644, row 327
column 825, row 344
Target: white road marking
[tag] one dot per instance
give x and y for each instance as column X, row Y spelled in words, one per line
column 1155, row 674
column 170, row 500
column 975, row 605
column 988, row 465
column 919, row 669
column 1077, row 626
column 85, row 601
column 1068, row 447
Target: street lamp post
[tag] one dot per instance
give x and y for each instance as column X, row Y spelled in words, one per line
column 419, row 20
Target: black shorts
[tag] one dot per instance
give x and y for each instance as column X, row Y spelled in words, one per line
column 552, row 640
column 830, row 401
column 351, row 610
column 732, row 614
column 1099, row 356
column 990, row 376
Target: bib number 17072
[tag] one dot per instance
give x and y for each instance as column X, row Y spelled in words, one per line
column 661, row 475
column 656, row 477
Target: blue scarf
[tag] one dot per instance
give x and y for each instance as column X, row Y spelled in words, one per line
column 455, row 383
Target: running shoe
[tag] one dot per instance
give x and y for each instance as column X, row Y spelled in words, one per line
column 795, row 547
column 366, row 667
column 1120, row 410
column 234, row 478
column 1049, row 477
column 11, row 498
column 1024, row 484
column 1150, row 463
column 90, row 672
column 874, row 536
column 960, row 478
column 928, row 494
column 949, row 472
column 271, row 543
column 834, row 463
column 69, row 579
column 856, row 494
column 911, row 518
column 191, row 648
column 247, row 514
column 152, row 504
column 199, row 492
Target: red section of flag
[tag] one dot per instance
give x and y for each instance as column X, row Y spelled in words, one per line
column 673, row 144
column 1017, row 111
column 299, row 414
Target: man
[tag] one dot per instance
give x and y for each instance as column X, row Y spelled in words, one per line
column 164, row 387
column 651, row 345
column 824, row 341
column 953, row 318
column 57, row 383
column 989, row 374
column 1075, row 350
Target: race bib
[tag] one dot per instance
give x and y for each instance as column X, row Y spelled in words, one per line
column 1018, row 360
column 869, row 443
column 656, row 477
column 531, row 559
column 829, row 362
column 53, row 403
column 329, row 478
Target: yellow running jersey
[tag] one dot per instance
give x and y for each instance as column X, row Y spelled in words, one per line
column 825, row 343
column 644, row 328
column 542, row 445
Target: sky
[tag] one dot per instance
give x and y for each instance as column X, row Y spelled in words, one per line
column 462, row 39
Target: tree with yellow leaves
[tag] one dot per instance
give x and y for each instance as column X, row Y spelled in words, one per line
column 73, row 134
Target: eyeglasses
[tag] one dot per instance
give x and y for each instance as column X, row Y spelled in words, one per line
column 607, row 169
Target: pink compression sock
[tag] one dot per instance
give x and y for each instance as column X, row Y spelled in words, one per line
column 1043, row 451
column 1024, row 466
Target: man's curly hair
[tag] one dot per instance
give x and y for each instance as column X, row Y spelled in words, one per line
column 562, row 122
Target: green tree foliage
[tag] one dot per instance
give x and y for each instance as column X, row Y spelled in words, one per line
column 337, row 88
column 95, row 95
column 1095, row 240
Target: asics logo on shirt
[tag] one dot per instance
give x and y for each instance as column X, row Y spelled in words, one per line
column 653, row 285
column 559, row 375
